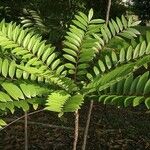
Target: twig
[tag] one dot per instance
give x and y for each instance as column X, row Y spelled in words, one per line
column 108, row 11
column 26, row 130
column 76, row 129
column 76, row 132
column 87, row 126
column 29, row 114
column 46, row 125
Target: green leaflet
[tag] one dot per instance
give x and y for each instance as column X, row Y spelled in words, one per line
column 97, row 21
column 71, row 46
column 90, row 15
column 4, row 97
column 47, row 53
column 119, row 87
column 122, row 55
column 127, row 34
column 114, row 58
column 60, row 70
column 141, row 83
column 13, row 90
column 83, row 16
column 118, row 101
column 108, row 99
column 137, row 101
column 136, row 23
column 115, row 26
column 112, row 29
column 1, row 65
column 134, row 85
column 124, row 21
column 81, row 20
column 31, row 70
column 12, row 69
column 51, row 58
column 33, row 90
column 101, row 65
column 113, row 88
column 107, row 31
column 96, row 71
column 70, row 58
column 134, row 31
column 142, row 48
column 89, row 76
column 2, row 123
column 79, row 24
column 73, row 41
column 52, row 102
column 108, row 62
column 55, row 64
column 119, row 23
column 71, row 52
column 26, row 90
column 127, row 84
column 147, row 88
column 70, row 66
column 148, row 48
column 147, row 103
column 102, row 98
column 76, row 33
column 5, row 68
column 129, row 53
column 128, row 101
column 73, row 103
column 24, row 105
column 104, row 35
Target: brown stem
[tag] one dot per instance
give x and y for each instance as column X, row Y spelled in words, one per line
column 26, row 130
column 108, row 11
column 76, row 132
column 87, row 126
column 29, row 114
column 46, row 125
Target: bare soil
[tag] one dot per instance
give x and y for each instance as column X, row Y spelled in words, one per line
column 111, row 128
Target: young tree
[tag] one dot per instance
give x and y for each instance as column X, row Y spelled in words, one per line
column 36, row 73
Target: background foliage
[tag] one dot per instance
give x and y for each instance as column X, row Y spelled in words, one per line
column 56, row 15
column 142, row 9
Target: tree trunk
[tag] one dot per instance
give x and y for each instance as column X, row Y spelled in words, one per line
column 108, row 11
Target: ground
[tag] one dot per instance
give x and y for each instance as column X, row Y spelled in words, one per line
column 111, row 128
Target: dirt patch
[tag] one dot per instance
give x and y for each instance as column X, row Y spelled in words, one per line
column 111, row 128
